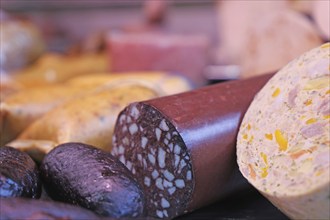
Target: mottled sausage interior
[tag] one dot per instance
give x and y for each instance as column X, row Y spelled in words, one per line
column 159, row 151
column 181, row 148
column 283, row 149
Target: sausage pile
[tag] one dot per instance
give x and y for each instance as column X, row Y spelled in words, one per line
column 174, row 154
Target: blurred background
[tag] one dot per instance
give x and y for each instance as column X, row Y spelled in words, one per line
column 203, row 40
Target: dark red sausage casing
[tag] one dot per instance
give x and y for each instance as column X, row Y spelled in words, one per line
column 181, row 148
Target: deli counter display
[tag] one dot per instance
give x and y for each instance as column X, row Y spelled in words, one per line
column 151, row 109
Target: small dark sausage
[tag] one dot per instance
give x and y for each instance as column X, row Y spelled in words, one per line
column 19, row 174
column 81, row 174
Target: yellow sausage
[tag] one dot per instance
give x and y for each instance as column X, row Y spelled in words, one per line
column 19, row 110
column 89, row 119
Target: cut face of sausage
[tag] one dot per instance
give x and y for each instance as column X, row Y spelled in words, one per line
column 283, row 142
column 181, row 148
column 160, row 157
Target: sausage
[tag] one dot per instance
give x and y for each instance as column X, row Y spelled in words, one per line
column 187, row 55
column 264, row 45
column 23, row 208
column 165, row 82
column 82, row 174
column 232, row 32
column 56, row 68
column 51, row 69
column 283, row 141
column 273, row 42
column 8, row 86
column 19, row 174
column 21, row 43
column 181, row 148
column 89, row 119
column 321, row 16
column 19, row 110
